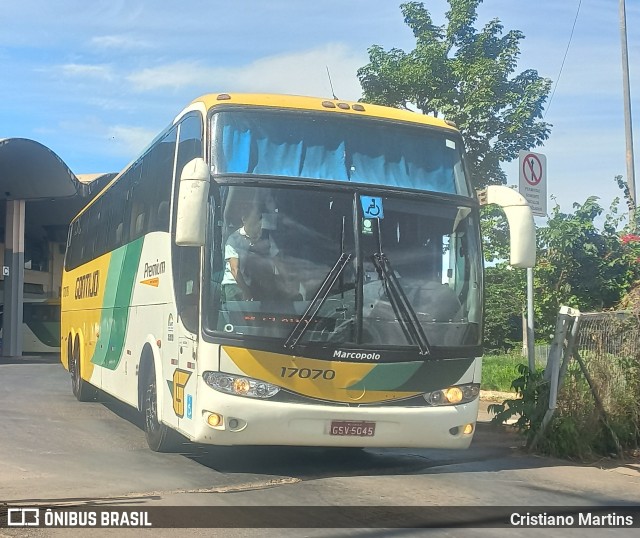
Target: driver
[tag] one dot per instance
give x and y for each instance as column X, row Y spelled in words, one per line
column 250, row 259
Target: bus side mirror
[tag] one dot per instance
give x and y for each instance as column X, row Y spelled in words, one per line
column 522, row 229
column 192, row 204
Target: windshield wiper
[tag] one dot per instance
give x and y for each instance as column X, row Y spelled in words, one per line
column 316, row 303
column 401, row 306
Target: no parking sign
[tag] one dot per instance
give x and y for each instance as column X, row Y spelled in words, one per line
column 533, row 181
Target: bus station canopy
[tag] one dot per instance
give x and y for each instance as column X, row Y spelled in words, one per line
column 31, row 171
column 33, row 175
column 54, row 194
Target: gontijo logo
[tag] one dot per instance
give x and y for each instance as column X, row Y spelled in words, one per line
column 87, row 285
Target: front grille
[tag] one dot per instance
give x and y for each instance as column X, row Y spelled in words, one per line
column 291, row 397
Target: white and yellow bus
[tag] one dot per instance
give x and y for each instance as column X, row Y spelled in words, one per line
column 358, row 324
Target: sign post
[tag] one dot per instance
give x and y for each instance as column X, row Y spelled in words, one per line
column 533, row 186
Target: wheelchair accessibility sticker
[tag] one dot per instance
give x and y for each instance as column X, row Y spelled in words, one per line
column 372, row 207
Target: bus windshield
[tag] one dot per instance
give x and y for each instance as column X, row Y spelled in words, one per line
column 297, row 266
column 337, row 148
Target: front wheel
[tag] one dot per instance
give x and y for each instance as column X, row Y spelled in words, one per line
column 160, row 437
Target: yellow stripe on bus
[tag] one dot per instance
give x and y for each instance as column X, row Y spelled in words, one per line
column 314, row 378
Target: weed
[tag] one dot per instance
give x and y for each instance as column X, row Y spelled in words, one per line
column 529, row 407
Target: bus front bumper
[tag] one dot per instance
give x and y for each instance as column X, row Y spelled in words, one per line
column 247, row 421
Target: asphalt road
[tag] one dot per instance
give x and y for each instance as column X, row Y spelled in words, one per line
column 55, row 451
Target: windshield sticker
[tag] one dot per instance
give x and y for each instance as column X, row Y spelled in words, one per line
column 372, row 207
column 450, row 144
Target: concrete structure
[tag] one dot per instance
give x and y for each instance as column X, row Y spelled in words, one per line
column 39, row 195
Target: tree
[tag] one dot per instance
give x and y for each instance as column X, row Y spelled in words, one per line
column 581, row 265
column 584, row 260
column 505, row 301
column 465, row 75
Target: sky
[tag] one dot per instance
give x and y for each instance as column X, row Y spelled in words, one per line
column 96, row 81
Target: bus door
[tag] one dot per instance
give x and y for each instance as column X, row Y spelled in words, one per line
column 184, row 375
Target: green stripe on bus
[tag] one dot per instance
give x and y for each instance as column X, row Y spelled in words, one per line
column 106, row 318
column 414, row 376
column 123, row 269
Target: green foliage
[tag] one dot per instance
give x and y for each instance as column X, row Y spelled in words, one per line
column 495, row 233
column 467, row 75
column 616, row 379
column 578, row 428
column 505, row 301
column 530, row 405
column 563, row 437
column 499, row 371
column 585, row 260
column 580, row 265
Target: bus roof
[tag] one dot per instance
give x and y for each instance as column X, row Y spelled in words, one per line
column 298, row 102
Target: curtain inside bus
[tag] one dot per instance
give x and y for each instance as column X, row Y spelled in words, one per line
column 337, row 148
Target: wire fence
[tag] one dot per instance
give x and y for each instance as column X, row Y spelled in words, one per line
column 541, row 353
column 594, row 381
column 609, row 344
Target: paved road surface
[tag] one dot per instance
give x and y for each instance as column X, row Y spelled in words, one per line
column 55, row 450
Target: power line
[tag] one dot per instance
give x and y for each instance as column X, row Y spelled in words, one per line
column 555, row 86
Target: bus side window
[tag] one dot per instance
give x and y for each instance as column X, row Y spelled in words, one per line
column 100, row 228
column 118, row 234
column 137, row 195
column 139, row 226
column 73, row 244
column 162, row 218
column 186, row 260
column 152, row 187
column 86, row 244
column 158, row 180
column 115, row 206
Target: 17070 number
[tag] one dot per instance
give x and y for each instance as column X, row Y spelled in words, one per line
column 307, row 373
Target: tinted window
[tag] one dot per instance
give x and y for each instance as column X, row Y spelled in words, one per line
column 186, row 266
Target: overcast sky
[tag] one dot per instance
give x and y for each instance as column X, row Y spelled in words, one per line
column 96, row 81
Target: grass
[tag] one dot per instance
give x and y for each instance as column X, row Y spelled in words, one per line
column 498, row 371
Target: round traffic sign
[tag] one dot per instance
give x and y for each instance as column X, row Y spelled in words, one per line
column 532, row 169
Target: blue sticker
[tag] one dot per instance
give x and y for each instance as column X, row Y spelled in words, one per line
column 189, row 406
column 372, row 207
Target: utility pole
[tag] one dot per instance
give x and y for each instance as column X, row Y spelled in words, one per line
column 631, row 180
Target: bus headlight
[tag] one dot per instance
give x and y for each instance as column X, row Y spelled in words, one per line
column 458, row 394
column 239, row 385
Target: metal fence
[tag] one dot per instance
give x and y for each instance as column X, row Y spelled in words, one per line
column 593, row 375
column 541, row 353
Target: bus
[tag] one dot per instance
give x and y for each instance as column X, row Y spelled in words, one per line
column 40, row 326
column 287, row 270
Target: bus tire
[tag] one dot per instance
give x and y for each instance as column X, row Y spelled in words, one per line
column 82, row 390
column 160, row 437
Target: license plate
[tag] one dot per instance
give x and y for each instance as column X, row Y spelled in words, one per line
column 352, row 428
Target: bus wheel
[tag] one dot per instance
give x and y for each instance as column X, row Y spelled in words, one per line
column 160, row 437
column 82, row 390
